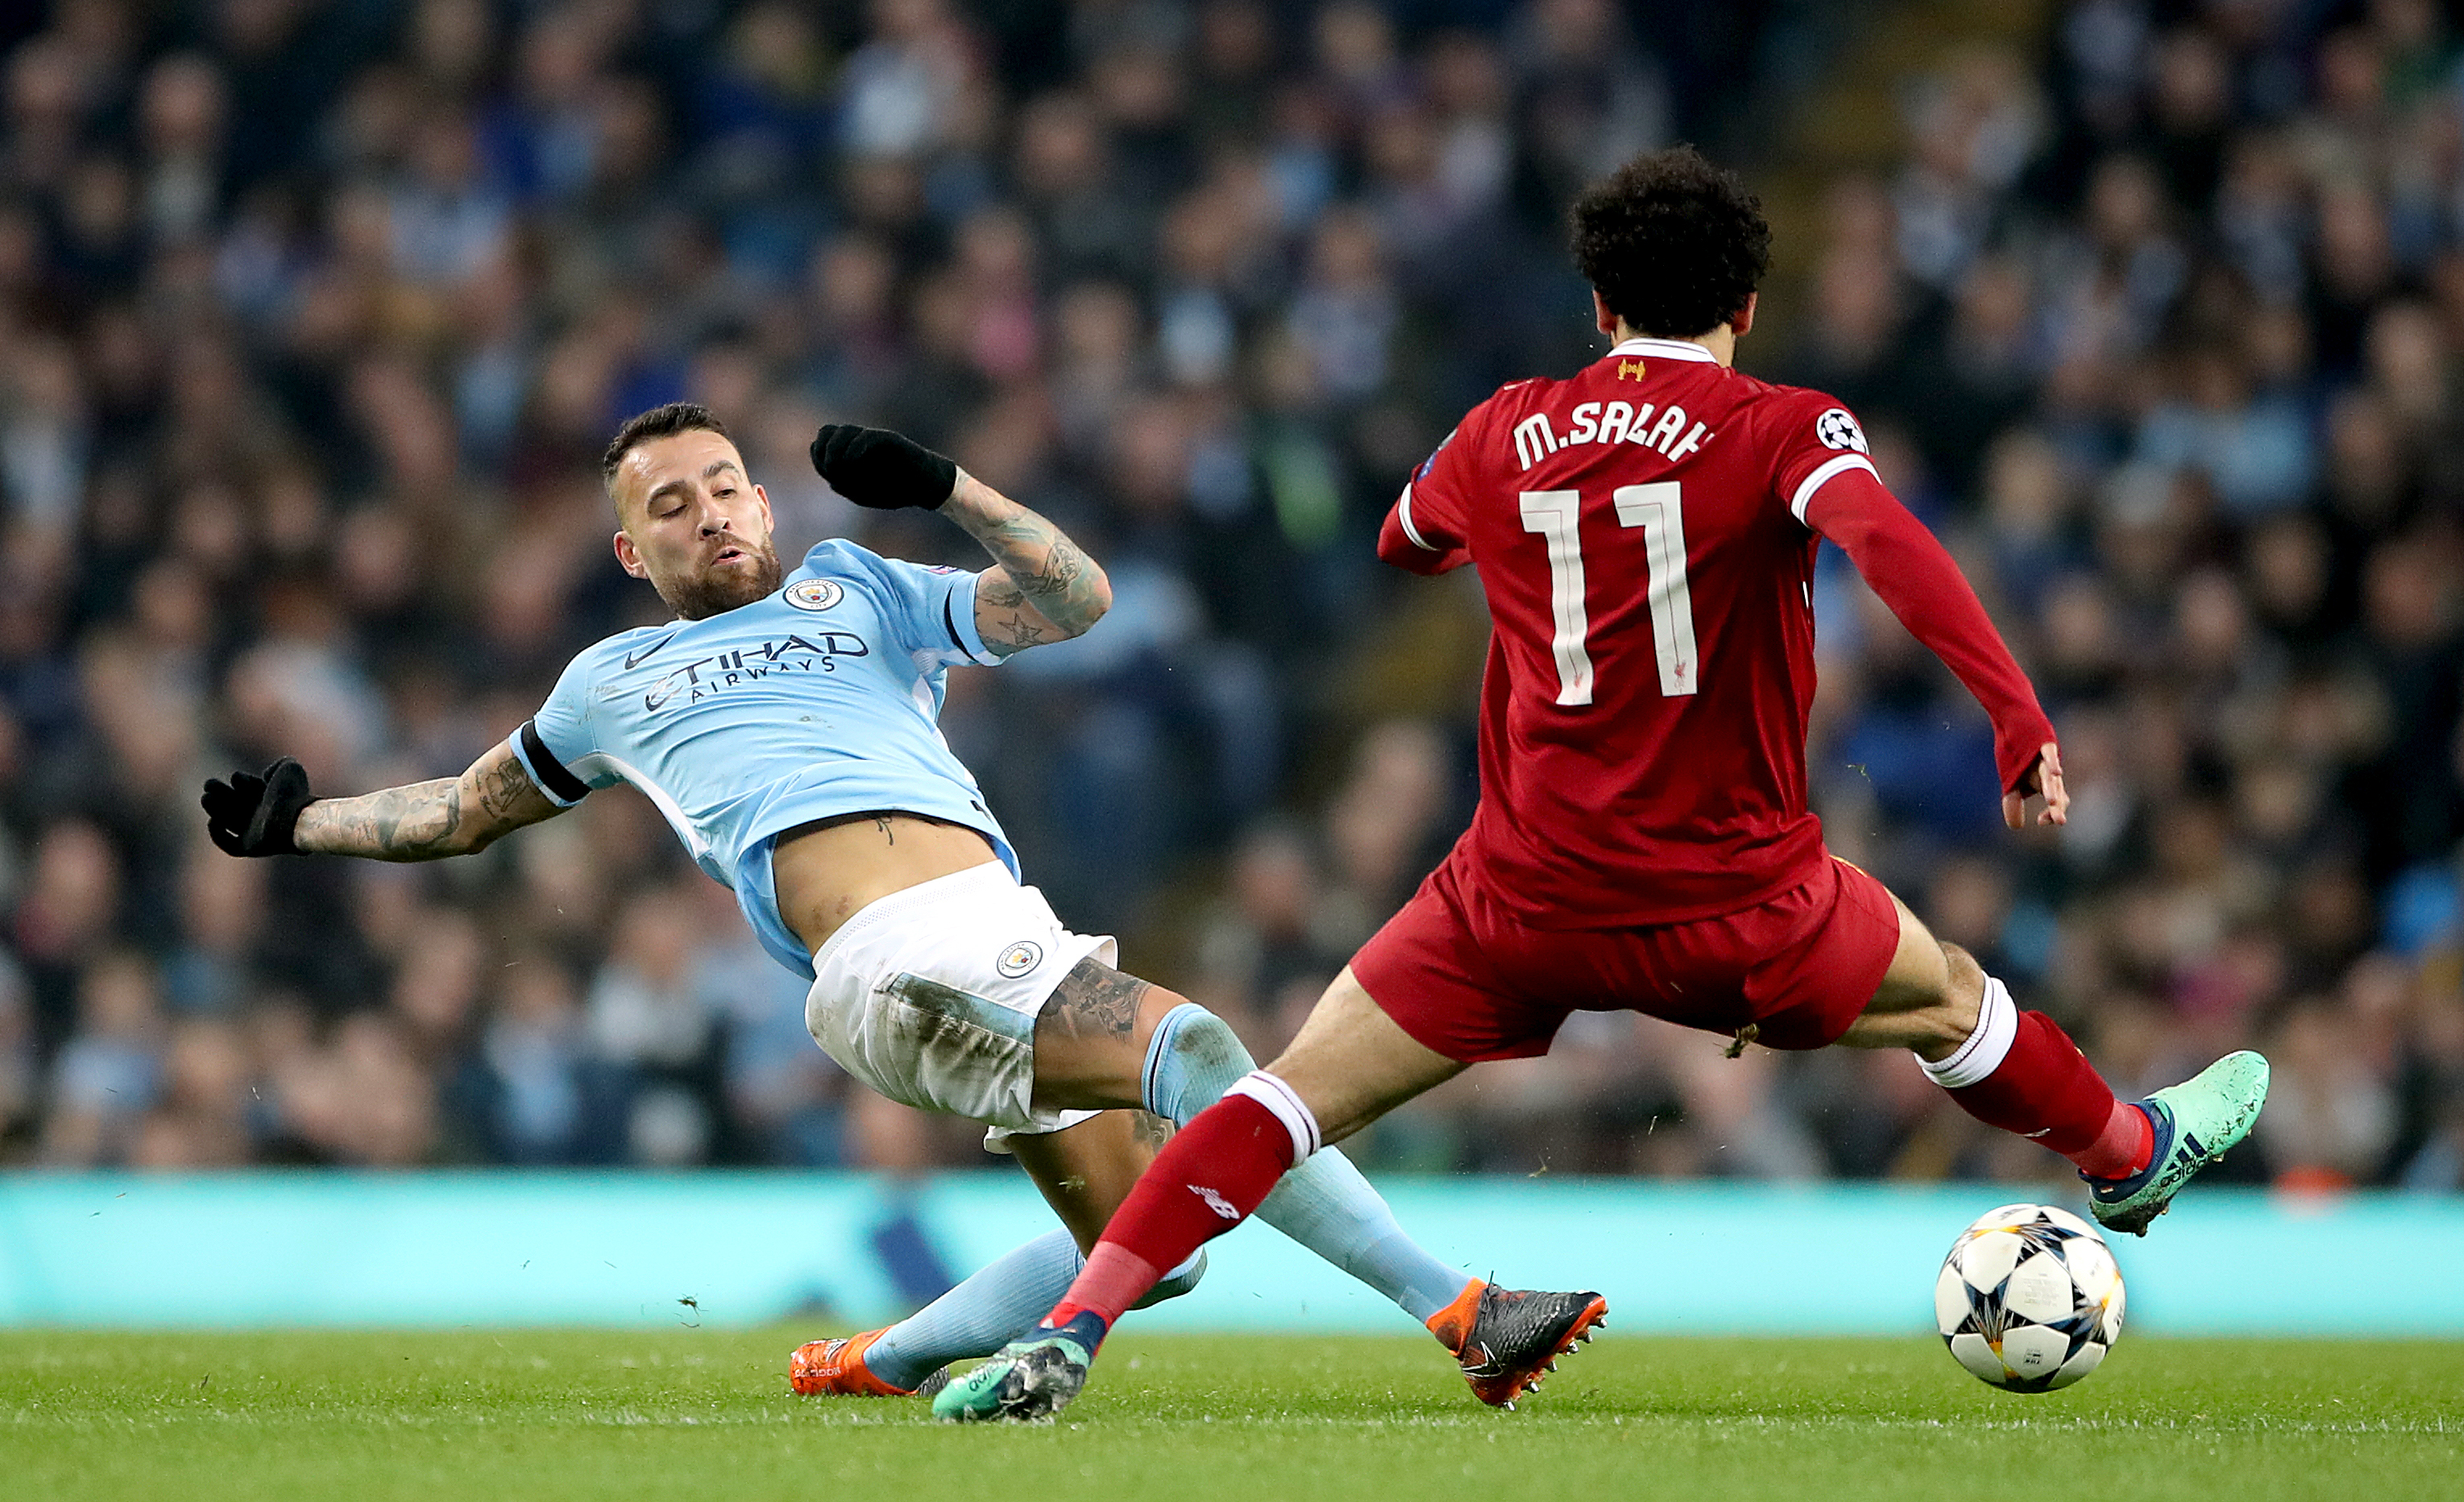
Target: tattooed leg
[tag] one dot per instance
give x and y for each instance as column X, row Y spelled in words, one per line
column 1090, row 1039
column 1096, row 1000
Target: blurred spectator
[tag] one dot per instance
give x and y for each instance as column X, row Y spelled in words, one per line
column 202, row 1118
column 319, row 315
column 1275, row 931
column 2334, row 1119
column 785, row 1101
column 645, row 1016
column 18, row 1092
column 108, row 1074
column 536, row 1067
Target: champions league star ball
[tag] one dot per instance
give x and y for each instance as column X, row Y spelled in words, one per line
column 2029, row 1298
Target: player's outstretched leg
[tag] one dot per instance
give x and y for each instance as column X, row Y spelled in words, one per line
column 1507, row 1341
column 836, row 1368
column 979, row 1315
column 1085, row 1171
column 1209, row 1178
column 1189, row 1059
column 2195, row 1122
column 1325, row 1203
column 1504, row 1338
column 1219, row 1171
column 995, row 1306
column 2018, row 1070
column 1030, row 1380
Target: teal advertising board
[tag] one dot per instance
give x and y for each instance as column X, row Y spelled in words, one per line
column 837, row 1250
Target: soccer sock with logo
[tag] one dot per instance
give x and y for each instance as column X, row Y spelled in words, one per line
column 2021, row 1073
column 1325, row 1203
column 995, row 1306
column 1208, row 1179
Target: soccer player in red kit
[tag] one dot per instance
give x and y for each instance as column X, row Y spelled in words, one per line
column 1646, row 533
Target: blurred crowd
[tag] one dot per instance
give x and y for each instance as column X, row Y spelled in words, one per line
column 319, row 312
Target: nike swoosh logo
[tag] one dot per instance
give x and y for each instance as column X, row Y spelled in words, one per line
column 634, row 659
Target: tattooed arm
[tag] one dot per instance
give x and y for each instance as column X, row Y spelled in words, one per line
column 428, row 820
column 1046, row 588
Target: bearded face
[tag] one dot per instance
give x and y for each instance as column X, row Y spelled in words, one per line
column 694, row 525
column 737, row 574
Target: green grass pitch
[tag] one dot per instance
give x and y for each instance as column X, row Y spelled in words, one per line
column 705, row 1414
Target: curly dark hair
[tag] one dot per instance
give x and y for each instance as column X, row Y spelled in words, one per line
column 659, row 422
column 1674, row 245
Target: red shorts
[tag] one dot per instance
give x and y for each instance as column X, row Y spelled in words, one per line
column 1459, row 974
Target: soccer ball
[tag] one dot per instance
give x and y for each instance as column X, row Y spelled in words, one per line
column 2029, row 1298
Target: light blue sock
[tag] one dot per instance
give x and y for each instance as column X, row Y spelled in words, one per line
column 1325, row 1203
column 979, row 1315
column 1000, row 1303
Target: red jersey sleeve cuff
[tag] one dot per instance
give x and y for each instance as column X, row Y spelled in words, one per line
column 2017, row 746
column 1402, row 543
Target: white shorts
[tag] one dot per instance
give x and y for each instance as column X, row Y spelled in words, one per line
column 930, row 996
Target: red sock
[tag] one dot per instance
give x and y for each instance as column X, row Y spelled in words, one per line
column 2123, row 1148
column 2045, row 1090
column 1207, row 1179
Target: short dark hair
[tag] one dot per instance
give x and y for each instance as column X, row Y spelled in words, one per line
column 659, row 422
column 1674, row 245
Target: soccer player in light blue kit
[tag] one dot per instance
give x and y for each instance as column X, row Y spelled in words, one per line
column 785, row 726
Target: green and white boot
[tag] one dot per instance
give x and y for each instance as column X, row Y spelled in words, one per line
column 1028, row 1379
column 2196, row 1122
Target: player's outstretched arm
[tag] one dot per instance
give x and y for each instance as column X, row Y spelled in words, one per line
column 2042, row 787
column 275, row 814
column 1043, row 588
column 1914, row 575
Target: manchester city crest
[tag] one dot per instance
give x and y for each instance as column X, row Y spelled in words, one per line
column 815, row 594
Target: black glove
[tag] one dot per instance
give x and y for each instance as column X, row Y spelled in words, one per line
column 883, row 470
column 253, row 815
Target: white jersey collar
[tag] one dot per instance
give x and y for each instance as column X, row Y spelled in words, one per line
column 1665, row 350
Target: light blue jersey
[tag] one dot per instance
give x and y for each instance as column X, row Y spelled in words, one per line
column 821, row 699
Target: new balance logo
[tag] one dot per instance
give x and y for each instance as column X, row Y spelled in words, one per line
column 1215, row 1202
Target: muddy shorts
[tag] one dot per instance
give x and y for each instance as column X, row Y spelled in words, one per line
column 930, row 996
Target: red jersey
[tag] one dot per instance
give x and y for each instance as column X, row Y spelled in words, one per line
column 1641, row 535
